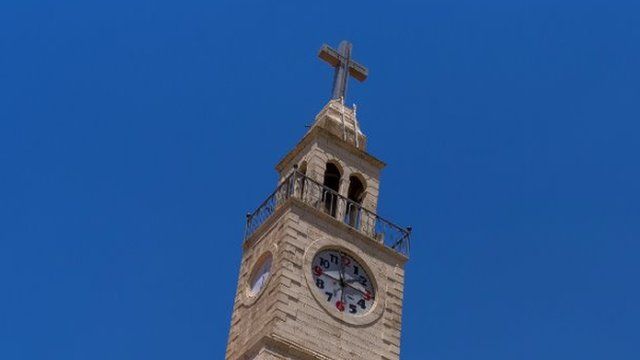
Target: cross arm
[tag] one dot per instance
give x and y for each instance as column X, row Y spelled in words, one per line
column 333, row 57
column 328, row 54
column 358, row 71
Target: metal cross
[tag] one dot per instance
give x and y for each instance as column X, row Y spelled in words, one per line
column 341, row 61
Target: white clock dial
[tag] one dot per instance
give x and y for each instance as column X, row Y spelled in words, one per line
column 342, row 282
column 260, row 274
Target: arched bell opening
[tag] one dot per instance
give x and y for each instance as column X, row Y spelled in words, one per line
column 355, row 194
column 331, row 182
column 303, row 168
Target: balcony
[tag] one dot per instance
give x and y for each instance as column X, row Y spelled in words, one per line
column 330, row 202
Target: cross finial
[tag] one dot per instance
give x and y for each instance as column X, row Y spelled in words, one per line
column 344, row 66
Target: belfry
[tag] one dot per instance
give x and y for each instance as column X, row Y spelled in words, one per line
column 322, row 274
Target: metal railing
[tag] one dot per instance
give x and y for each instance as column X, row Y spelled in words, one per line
column 330, row 202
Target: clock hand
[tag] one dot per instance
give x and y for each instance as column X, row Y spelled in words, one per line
column 341, row 279
column 361, row 291
column 341, row 267
column 330, row 276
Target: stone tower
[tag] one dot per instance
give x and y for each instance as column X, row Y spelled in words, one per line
column 322, row 275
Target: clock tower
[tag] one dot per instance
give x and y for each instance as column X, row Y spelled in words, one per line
column 322, row 274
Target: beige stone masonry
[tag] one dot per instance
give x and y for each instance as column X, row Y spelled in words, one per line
column 287, row 318
column 287, row 308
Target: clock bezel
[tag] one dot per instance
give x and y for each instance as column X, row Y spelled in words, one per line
column 375, row 273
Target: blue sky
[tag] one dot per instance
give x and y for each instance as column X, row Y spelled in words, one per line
column 135, row 135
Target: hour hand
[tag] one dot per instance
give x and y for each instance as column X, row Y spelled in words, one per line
column 353, row 281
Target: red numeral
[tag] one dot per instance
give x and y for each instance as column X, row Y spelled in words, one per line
column 346, row 261
column 317, row 270
column 340, row 305
column 367, row 295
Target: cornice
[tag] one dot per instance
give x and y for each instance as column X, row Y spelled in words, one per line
column 317, row 132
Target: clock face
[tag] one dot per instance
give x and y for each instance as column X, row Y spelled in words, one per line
column 342, row 282
column 260, row 274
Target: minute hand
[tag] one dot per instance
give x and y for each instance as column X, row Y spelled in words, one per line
column 351, row 283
